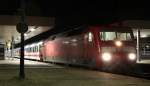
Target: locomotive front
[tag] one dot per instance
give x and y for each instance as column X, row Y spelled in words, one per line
column 117, row 47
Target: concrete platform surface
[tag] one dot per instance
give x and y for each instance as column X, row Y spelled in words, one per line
column 15, row 61
column 65, row 76
column 27, row 63
column 144, row 62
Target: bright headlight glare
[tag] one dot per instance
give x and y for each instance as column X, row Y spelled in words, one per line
column 118, row 43
column 106, row 57
column 132, row 56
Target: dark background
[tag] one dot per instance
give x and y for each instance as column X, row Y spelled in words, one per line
column 73, row 13
column 70, row 13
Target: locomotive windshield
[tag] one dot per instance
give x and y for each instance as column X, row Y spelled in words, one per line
column 112, row 35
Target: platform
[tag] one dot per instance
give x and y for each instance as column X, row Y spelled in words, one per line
column 144, row 62
column 28, row 63
column 46, row 74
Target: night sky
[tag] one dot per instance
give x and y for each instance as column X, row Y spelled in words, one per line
column 73, row 12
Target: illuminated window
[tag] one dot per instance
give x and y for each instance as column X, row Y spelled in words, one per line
column 124, row 36
column 115, row 35
column 90, row 37
column 36, row 48
column 107, row 35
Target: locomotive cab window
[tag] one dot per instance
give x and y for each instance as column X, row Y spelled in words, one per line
column 112, row 35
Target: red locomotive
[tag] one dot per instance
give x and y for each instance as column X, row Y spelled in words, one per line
column 95, row 46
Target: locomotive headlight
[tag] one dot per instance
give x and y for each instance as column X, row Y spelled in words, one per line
column 118, row 43
column 131, row 56
column 106, row 57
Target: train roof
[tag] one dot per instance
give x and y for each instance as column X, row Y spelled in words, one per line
column 114, row 28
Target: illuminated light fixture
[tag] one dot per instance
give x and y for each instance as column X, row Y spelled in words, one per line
column 25, row 34
column 90, row 37
column 16, row 40
column 32, row 45
column 65, row 42
column 32, row 29
column 40, row 43
column 132, row 56
column 74, row 40
column 9, row 44
column 118, row 43
column 106, row 57
column 143, row 36
column 27, row 46
column 147, row 46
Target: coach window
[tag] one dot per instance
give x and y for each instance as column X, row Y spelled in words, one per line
column 30, row 49
column 33, row 49
column 36, row 48
column 90, row 37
